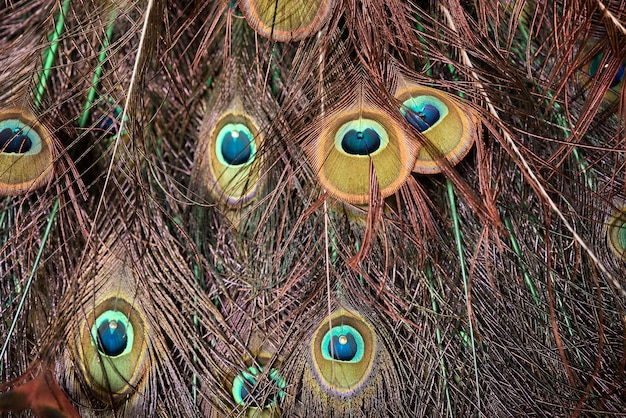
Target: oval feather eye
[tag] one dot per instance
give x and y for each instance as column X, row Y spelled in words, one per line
column 249, row 390
column 286, row 20
column 616, row 233
column 112, row 348
column 342, row 152
column 25, row 153
column 343, row 349
column 449, row 127
column 233, row 158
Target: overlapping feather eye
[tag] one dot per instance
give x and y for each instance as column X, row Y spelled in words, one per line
column 443, row 120
column 232, row 158
column 259, row 387
column 343, row 351
column 616, row 232
column 286, row 20
column 259, row 390
column 111, row 344
column 591, row 69
column 348, row 140
column 26, row 153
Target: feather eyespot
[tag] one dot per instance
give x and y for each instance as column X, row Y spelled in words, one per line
column 113, row 348
column 110, row 121
column 25, row 153
column 349, row 143
column 233, row 163
column 343, row 343
column 16, row 139
column 594, row 65
column 286, row 20
column 424, row 112
column 447, row 125
column 616, row 233
column 247, row 390
column 592, row 69
column 343, row 351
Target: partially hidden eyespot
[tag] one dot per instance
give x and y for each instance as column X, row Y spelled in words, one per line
column 448, row 126
column 26, row 153
column 248, row 389
column 592, row 68
column 286, row 20
column 616, row 232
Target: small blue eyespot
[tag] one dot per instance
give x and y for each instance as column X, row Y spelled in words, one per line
column 361, row 137
column 235, row 144
column 112, row 334
column 343, row 343
column 112, row 339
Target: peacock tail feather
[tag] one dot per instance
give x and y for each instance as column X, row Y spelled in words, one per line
column 312, row 208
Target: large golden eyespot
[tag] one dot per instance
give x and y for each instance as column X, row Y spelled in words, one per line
column 352, row 140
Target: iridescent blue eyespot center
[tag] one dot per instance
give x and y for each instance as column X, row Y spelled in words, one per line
column 343, row 343
column 112, row 337
column 235, row 144
column 248, row 391
column 423, row 119
column 14, row 141
column 361, row 137
column 343, row 347
column 112, row 334
column 424, row 112
column 18, row 138
column 360, row 142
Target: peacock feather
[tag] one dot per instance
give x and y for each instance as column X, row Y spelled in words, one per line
column 312, row 208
